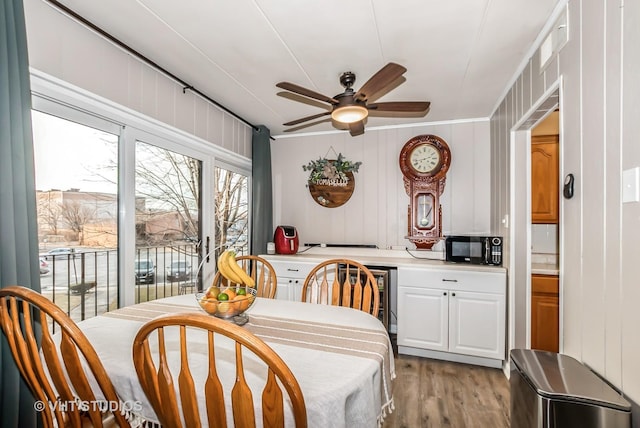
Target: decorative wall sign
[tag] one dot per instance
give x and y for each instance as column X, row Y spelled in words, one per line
column 331, row 181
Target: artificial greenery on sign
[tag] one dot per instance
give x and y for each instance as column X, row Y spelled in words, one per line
column 330, row 169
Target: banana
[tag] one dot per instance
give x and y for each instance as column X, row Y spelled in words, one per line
column 235, row 267
column 225, row 268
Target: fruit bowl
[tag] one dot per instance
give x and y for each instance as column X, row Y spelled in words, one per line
column 227, row 308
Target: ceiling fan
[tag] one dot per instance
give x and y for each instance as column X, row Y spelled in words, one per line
column 352, row 108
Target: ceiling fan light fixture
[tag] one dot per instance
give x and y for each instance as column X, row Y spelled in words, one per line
column 349, row 114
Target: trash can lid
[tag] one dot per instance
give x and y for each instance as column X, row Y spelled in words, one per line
column 561, row 377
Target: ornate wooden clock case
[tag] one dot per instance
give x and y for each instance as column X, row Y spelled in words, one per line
column 424, row 162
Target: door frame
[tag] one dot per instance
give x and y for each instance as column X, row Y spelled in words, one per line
column 520, row 213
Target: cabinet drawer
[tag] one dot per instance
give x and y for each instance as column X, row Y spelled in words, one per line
column 286, row 269
column 489, row 282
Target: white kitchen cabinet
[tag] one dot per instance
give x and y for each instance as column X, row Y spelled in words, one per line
column 290, row 277
column 451, row 314
column 423, row 318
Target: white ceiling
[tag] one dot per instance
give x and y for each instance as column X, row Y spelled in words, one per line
column 460, row 54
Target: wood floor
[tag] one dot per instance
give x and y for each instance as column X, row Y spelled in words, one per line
column 432, row 393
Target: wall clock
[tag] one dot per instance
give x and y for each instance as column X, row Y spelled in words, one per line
column 424, row 162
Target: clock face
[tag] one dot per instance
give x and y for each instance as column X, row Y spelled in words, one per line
column 425, row 158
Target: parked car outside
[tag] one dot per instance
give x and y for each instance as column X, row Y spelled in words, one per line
column 145, row 271
column 179, row 271
column 44, row 266
column 61, row 253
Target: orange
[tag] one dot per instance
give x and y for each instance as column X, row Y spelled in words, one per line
column 229, row 292
column 209, row 306
column 243, row 303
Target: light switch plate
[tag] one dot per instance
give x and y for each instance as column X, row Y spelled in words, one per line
column 631, row 185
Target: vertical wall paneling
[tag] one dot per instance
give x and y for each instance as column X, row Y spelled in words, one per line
column 613, row 212
column 135, row 85
column 377, row 211
column 600, row 104
column 630, row 227
column 594, row 178
column 84, row 59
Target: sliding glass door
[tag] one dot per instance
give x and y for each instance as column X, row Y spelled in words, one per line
column 121, row 202
column 77, row 209
column 167, row 216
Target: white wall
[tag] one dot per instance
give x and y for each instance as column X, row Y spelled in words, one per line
column 377, row 210
column 600, row 236
column 65, row 49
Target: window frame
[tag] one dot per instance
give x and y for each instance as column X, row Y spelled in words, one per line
column 56, row 97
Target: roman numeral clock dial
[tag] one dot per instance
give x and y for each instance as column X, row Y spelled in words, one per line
column 424, row 162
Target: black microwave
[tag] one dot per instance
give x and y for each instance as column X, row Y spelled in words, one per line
column 483, row 250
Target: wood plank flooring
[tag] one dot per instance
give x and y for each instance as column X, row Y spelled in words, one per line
column 431, row 393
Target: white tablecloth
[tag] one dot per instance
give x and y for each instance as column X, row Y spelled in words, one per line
column 341, row 357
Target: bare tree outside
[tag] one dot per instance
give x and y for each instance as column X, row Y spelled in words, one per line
column 49, row 213
column 76, row 215
column 167, row 194
column 231, row 201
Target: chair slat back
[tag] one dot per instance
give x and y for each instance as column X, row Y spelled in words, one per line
column 352, row 285
column 260, row 270
column 57, row 372
column 240, row 400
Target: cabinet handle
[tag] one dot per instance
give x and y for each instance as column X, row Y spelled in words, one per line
column 453, row 294
column 292, row 270
column 444, row 294
column 449, row 280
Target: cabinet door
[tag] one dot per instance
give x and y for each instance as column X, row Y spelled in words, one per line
column 283, row 290
column 477, row 324
column 289, row 289
column 423, row 318
column 545, row 313
column 544, row 179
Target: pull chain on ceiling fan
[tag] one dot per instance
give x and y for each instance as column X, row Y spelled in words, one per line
column 352, row 108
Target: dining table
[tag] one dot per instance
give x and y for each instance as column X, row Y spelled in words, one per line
column 341, row 357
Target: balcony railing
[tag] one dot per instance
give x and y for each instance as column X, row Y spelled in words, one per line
column 85, row 283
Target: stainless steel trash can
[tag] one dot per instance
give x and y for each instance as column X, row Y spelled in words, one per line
column 554, row 390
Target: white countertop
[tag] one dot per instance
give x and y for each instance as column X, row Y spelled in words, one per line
column 544, row 269
column 378, row 257
column 544, row 264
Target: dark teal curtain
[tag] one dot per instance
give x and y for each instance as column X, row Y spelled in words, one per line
column 261, row 200
column 18, row 225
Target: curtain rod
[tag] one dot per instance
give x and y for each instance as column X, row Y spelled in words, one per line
column 134, row 52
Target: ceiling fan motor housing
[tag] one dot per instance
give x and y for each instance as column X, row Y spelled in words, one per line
column 347, row 79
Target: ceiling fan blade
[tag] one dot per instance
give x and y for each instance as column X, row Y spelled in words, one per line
column 401, row 106
column 385, row 76
column 304, row 119
column 307, row 124
column 306, row 92
column 356, row 128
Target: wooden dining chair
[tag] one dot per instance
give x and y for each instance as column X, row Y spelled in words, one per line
column 162, row 392
column 342, row 282
column 260, row 270
column 59, row 371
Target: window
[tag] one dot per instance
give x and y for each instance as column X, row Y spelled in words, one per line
column 167, row 219
column 232, row 211
column 120, row 199
column 77, row 206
